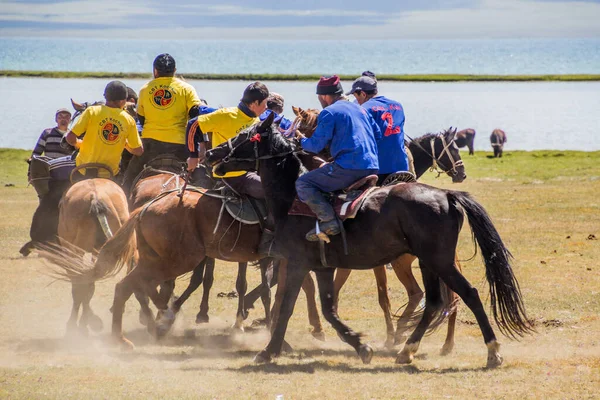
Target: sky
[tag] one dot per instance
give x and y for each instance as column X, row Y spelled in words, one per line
column 301, row 19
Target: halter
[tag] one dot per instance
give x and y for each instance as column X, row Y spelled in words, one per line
column 436, row 161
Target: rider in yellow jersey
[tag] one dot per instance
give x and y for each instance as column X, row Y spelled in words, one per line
column 164, row 106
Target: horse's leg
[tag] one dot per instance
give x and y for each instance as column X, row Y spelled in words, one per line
column 469, row 295
column 209, row 278
column 433, row 303
column 268, row 270
column 449, row 342
column 72, row 322
column 241, row 285
column 294, row 277
column 326, row 288
column 123, row 290
column 403, row 270
column 87, row 314
column 308, row 285
column 341, row 277
column 384, row 303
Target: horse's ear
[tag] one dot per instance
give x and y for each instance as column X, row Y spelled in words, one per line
column 77, row 106
column 296, row 110
column 266, row 124
column 303, row 113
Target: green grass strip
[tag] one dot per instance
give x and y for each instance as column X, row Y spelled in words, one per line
column 310, row 77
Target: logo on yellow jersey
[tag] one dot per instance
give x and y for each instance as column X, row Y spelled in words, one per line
column 163, row 98
column 110, row 132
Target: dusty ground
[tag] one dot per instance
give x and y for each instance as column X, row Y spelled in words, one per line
column 546, row 217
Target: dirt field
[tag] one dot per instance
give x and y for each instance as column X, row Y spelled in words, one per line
column 544, row 204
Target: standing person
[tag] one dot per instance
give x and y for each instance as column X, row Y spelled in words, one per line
column 389, row 116
column 164, row 106
column 351, row 135
column 222, row 125
column 48, row 143
column 108, row 130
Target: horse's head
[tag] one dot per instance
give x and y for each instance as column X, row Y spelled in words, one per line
column 243, row 153
column 446, row 155
column 81, row 107
column 306, row 120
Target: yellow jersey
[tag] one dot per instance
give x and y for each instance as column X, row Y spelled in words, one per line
column 165, row 103
column 106, row 129
column 224, row 124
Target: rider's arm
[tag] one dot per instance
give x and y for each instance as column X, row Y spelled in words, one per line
column 133, row 144
column 138, row 151
column 40, row 146
column 73, row 140
column 323, row 134
column 195, row 138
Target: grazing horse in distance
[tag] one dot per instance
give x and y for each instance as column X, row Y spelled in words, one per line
column 410, row 218
column 498, row 138
column 466, row 137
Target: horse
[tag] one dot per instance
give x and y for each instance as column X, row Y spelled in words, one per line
column 90, row 211
column 430, row 151
column 466, row 137
column 498, row 138
column 410, row 218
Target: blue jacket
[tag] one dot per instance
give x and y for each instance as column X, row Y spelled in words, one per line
column 284, row 123
column 389, row 116
column 350, row 133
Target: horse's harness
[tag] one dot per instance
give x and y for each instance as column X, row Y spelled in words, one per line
column 437, row 165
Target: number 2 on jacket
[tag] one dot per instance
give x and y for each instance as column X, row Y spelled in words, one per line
column 391, row 129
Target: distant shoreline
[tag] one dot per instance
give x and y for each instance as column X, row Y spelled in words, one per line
column 310, row 77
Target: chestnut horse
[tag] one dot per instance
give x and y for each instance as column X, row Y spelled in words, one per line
column 90, row 211
column 409, row 218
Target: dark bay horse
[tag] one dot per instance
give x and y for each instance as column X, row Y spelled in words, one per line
column 402, row 219
column 498, row 138
column 466, row 137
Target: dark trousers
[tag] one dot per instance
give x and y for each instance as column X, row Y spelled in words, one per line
column 328, row 178
column 152, row 149
column 44, row 225
column 248, row 184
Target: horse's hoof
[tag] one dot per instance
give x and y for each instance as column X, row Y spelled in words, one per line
column 26, row 249
column 237, row 329
column 494, row 361
column 160, row 331
column 95, row 323
column 318, row 335
column 407, row 354
column 447, row 349
column 259, row 323
column 202, row 318
column 124, row 343
column 365, row 353
column 262, row 358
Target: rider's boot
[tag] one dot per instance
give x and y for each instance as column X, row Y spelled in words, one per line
column 328, row 223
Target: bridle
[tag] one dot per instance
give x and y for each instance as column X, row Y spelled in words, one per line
column 437, row 165
column 256, row 138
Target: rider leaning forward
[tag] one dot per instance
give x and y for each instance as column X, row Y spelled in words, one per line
column 222, row 125
column 351, row 135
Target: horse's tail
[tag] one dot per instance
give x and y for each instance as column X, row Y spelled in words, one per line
column 116, row 253
column 100, row 210
column 505, row 294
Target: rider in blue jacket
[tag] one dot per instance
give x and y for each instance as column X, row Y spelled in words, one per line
column 389, row 117
column 351, row 135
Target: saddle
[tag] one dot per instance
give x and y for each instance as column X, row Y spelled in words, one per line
column 246, row 210
column 346, row 202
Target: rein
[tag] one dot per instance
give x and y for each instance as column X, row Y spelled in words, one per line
column 437, row 165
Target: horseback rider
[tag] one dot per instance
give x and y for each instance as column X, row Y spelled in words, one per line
column 164, row 106
column 224, row 124
column 351, row 135
column 108, row 130
column 388, row 114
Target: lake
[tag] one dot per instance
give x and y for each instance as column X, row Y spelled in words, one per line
column 535, row 115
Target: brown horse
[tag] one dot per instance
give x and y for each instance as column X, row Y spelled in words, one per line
column 410, row 218
column 90, row 212
column 466, row 137
column 498, row 138
column 429, row 150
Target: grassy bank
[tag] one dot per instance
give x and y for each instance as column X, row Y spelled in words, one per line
column 310, row 77
column 544, row 204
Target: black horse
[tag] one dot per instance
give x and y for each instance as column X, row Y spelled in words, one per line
column 408, row 218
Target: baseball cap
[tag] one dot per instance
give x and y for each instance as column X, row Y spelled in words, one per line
column 63, row 110
column 364, row 83
column 164, row 63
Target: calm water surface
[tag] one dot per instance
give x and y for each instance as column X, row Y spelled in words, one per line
column 540, row 115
